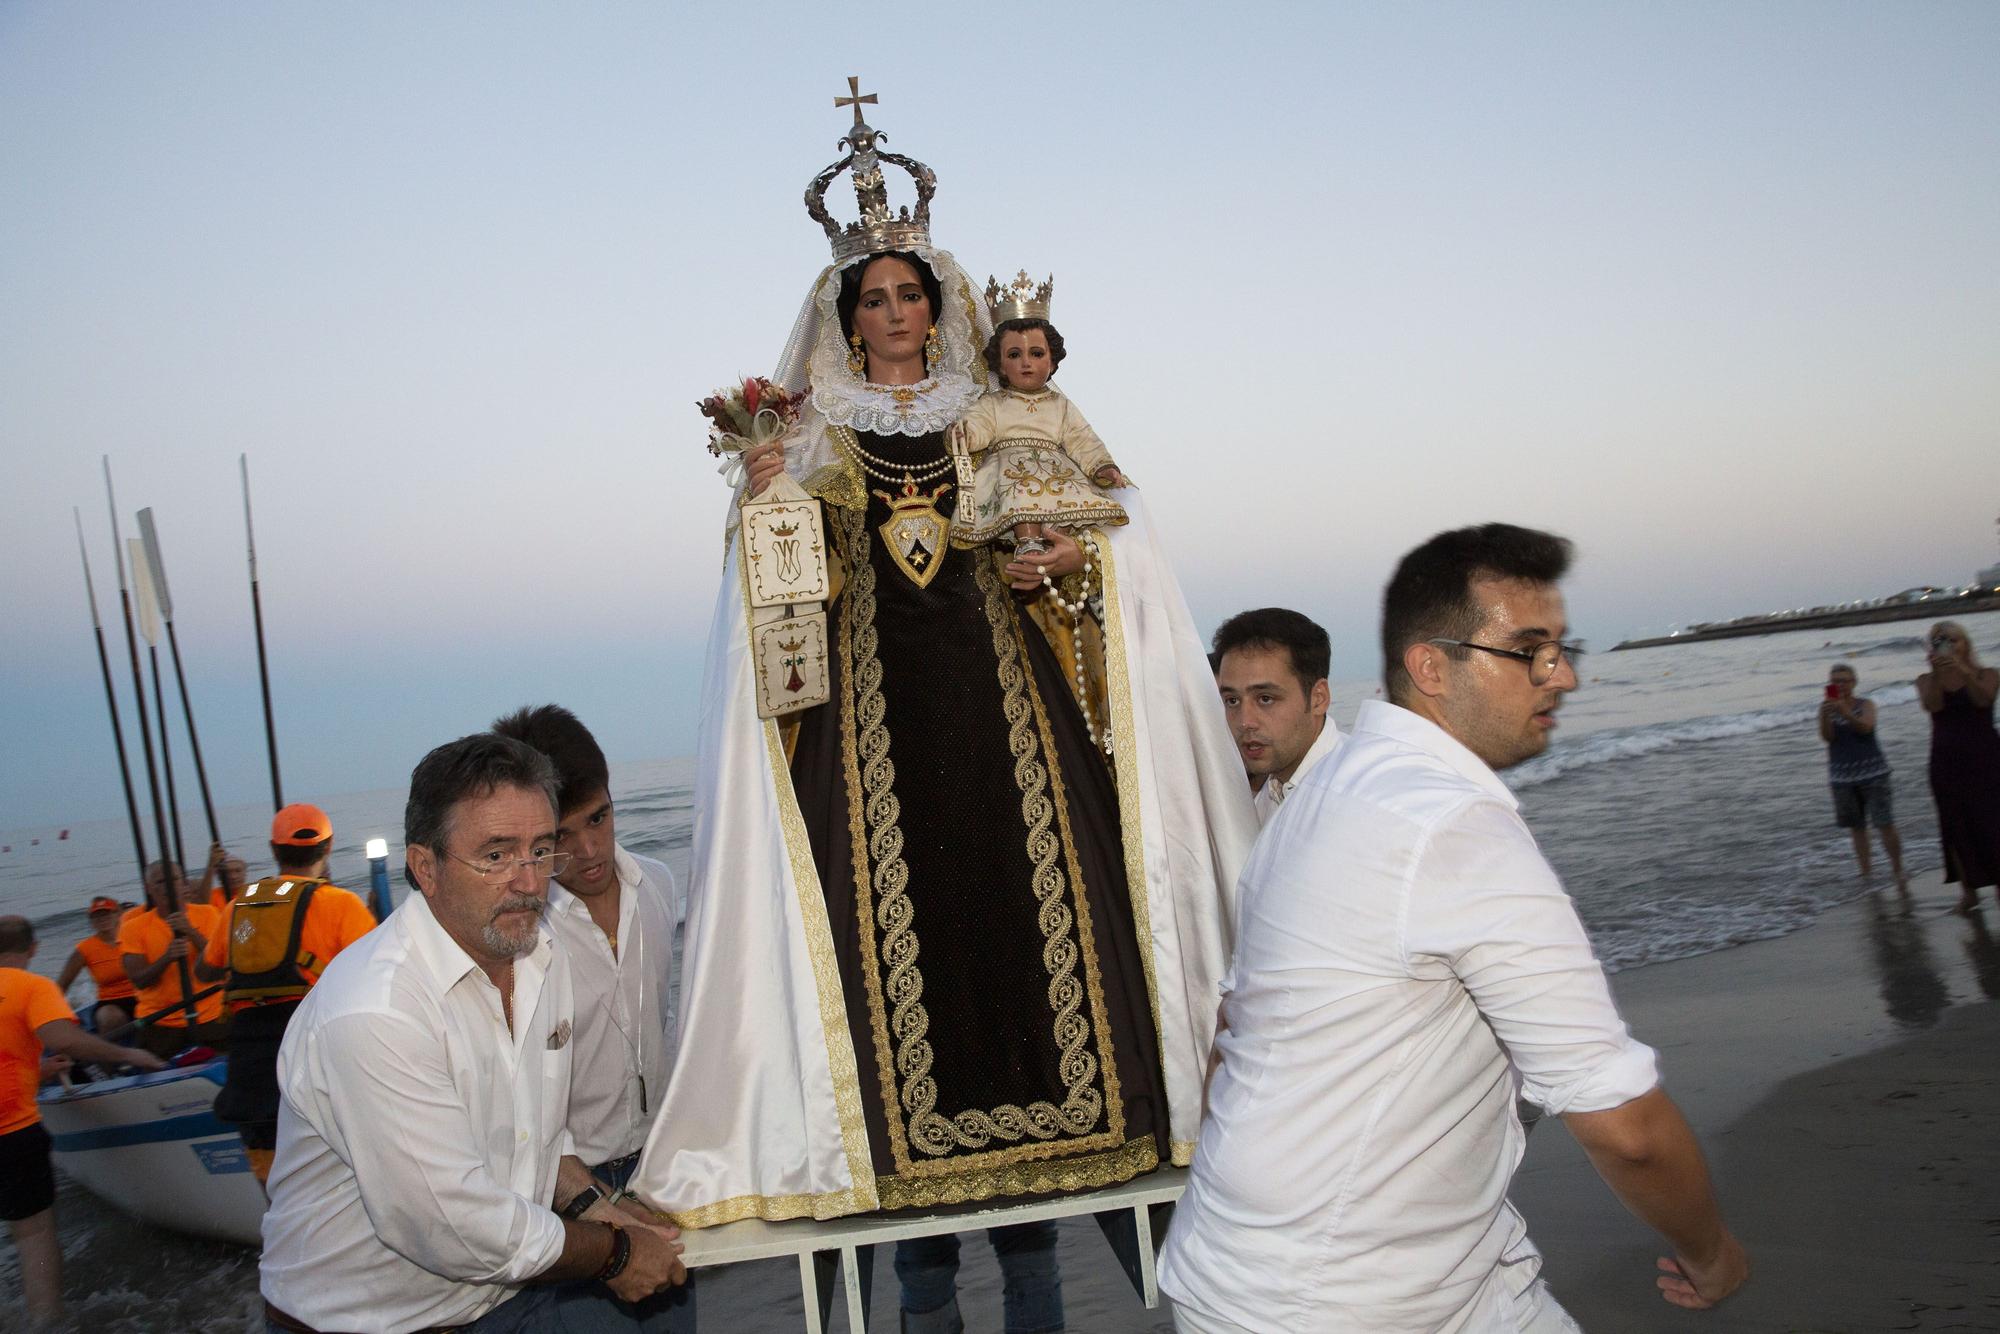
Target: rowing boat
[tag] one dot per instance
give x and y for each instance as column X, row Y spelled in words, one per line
column 151, row 1145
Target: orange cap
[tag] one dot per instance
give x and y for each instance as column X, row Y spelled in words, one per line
column 102, row 904
column 300, row 825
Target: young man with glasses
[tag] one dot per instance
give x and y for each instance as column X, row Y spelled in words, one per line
column 1406, row 961
column 423, row 1177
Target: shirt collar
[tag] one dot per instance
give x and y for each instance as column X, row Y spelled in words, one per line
column 1382, row 718
column 444, row 958
column 1322, row 746
column 624, row 867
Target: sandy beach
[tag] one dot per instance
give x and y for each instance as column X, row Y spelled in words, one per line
column 1842, row 1080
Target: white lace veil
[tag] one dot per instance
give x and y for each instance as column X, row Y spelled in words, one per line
column 815, row 360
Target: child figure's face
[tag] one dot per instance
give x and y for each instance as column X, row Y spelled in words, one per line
column 1024, row 359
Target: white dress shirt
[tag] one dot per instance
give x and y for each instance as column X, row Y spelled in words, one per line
column 624, row 1020
column 1273, row 793
column 1406, row 962
column 418, row 1138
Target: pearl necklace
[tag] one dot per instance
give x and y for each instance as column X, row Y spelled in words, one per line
column 1091, row 561
column 850, row 444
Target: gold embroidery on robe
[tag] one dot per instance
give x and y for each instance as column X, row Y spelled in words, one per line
column 891, row 977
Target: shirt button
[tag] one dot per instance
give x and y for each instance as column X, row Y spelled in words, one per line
column 522, row 1135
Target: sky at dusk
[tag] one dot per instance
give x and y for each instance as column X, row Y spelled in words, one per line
column 1708, row 287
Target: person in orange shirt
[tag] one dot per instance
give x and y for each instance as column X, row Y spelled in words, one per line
column 98, row 952
column 221, row 879
column 152, row 943
column 34, row 1017
column 275, row 942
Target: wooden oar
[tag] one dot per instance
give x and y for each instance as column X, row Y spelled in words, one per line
column 146, row 733
column 111, row 702
column 157, row 568
column 257, row 617
column 149, row 628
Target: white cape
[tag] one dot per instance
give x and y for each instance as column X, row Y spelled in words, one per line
column 762, row 1115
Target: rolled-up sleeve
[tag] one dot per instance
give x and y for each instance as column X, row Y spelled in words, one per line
column 397, row 1120
column 1491, row 908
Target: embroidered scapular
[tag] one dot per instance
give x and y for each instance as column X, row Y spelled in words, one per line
column 915, row 533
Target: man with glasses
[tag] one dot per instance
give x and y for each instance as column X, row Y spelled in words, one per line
column 423, row 1176
column 1406, row 961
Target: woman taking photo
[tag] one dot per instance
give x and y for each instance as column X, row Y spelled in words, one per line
column 1958, row 694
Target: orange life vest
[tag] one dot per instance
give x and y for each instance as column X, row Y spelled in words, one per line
column 265, row 922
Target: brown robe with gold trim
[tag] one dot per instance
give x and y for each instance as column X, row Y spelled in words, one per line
column 965, row 830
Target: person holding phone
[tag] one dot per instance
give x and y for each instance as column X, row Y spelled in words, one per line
column 1858, row 772
column 1958, row 694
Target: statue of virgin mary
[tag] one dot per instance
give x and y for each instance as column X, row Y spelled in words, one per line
column 943, row 945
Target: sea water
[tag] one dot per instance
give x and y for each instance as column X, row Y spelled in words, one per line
column 1683, row 800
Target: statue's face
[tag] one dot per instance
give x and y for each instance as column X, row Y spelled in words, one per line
column 1025, row 359
column 892, row 318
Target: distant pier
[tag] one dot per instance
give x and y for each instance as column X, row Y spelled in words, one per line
column 1932, row 609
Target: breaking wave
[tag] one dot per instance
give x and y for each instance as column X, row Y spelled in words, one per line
column 1630, row 743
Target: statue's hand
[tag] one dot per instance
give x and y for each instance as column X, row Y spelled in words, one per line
column 762, row 464
column 1063, row 557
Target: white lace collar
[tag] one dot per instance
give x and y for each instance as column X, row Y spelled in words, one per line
column 895, row 409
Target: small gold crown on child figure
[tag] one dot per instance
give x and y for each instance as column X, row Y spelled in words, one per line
column 879, row 228
column 1021, row 299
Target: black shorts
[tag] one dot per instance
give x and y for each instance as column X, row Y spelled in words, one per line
column 27, row 1178
column 97, row 1019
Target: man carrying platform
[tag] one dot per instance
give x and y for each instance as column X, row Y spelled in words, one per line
column 424, row 1177
column 1407, row 962
column 159, row 947
column 615, row 914
column 1271, row 666
column 34, row 1017
column 276, row 940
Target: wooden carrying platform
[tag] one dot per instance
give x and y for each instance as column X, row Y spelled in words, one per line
column 822, row 1246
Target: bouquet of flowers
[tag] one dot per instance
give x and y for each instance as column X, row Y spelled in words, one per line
column 752, row 413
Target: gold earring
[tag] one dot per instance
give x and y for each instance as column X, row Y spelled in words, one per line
column 857, row 360
column 933, row 351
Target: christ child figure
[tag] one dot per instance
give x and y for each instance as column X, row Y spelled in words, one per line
column 1036, row 462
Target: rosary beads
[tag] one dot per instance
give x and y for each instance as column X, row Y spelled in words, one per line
column 1091, row 561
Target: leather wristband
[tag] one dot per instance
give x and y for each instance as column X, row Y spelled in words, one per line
column 621, row 1255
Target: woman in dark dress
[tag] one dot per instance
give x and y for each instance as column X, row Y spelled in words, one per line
column 1958, row 694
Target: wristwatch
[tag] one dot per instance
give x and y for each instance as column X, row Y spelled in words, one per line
column 580, row 1203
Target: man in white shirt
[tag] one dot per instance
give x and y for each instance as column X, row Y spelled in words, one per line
column 615, row 915
column 1406, row 960
column 424, row 1174
column 1271, row 666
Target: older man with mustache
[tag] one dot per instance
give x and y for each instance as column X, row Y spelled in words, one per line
column 1406, row 963
column 425, row 1174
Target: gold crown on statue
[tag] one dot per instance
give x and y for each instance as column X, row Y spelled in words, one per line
column 1021, row 299
column 878, row 228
